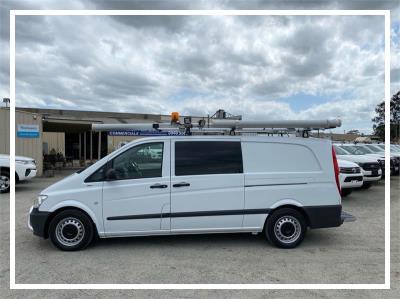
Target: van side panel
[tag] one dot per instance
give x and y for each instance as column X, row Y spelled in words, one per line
column 296, row 172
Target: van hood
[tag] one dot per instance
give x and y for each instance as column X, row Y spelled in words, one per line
column 358, row 158
column 64, row 184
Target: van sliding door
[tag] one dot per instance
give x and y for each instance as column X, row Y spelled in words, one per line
column 207, row 185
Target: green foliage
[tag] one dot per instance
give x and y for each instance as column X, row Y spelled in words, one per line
column 379, row 119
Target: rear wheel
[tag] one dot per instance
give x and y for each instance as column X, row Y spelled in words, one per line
column 71, row 230
column 4, row 181
column 285, row 228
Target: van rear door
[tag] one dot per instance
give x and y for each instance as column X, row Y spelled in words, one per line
column 207, row 185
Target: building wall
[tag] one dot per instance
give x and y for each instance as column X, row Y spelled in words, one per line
column 30, row 147
column 4, row 131
column 55, row 140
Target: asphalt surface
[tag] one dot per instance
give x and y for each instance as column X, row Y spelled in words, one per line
column 352, row 253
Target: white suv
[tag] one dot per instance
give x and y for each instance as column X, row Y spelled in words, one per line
column 25, row 169
column 197, row 184
column 370, row 167
column 350, row 176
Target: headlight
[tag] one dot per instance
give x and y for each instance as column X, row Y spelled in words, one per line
column 22, row 161
column 39, row 200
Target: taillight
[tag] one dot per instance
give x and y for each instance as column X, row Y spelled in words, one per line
column 336, row 168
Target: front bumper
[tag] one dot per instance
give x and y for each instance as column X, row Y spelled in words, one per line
column 37, row 222
column 29, row 174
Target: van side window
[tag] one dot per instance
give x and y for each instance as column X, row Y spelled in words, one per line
column 97, row 176
column 207, row 157
column 141, row 161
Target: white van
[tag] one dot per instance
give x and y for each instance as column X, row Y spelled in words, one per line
column 199, row 184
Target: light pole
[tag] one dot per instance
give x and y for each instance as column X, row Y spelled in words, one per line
column 6, row 101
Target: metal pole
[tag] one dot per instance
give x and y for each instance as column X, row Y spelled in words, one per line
column 80, row 146
column 99, row 147
column 84, row 148
column 91, row 146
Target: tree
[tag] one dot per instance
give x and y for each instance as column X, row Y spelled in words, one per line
column 353, row 132
column 379, row 119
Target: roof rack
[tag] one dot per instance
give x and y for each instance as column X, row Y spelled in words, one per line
column 225, row 126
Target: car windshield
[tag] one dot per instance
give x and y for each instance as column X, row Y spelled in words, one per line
column 354, row 150
column 340, row 151
column 394, row 148
column 366, row 149
column 381, row 146
column 374, row 148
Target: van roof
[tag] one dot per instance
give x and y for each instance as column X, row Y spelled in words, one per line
column 258, row 138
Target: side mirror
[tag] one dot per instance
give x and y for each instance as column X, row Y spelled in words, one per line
column 111, row 175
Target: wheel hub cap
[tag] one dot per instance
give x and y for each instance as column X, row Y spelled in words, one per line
column 70, row 231
column 287, row 229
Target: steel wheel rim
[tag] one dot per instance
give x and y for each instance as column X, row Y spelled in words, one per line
column 70, row 231
column 287, row 229
column 4, row 183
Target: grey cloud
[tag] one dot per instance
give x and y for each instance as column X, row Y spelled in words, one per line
column 139, row 63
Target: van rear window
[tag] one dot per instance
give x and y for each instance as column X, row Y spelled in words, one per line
column 207, row 157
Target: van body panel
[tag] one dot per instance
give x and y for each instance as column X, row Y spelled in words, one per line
column 72, row 192
column 215, row 201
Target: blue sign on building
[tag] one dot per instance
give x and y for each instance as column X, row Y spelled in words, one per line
column 146, row 133
column 28, row 131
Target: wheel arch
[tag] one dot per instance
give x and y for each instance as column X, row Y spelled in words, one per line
column 70, row 207
column 293, row 206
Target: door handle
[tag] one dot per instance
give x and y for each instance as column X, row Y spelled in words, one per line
column 160, row 186
column 183, row 184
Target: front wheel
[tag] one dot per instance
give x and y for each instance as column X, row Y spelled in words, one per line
column 4, row 181
column 71, row 230
column 285, row 228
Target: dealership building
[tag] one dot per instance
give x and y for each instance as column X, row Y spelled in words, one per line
column 41, row 132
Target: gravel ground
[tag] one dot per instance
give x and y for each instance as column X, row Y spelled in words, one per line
column 352, row 253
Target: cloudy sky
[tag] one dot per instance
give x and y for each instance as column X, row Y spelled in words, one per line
column 260, row 67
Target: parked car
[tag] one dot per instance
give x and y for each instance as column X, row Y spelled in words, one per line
column 199, row 184
column 379, row 149
column 25, row 169
column 350, row 176
column 358, row 149
column 370, row 167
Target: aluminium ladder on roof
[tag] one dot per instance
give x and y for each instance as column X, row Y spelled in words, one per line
column 222, row 126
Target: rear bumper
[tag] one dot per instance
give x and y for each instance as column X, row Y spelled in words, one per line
column 324, row 216
column 37, row 222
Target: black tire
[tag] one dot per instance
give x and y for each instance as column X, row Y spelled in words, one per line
column 293, row 220
column 366, row 185
column 346, row 191
column 71, row 230
column 4, row 181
